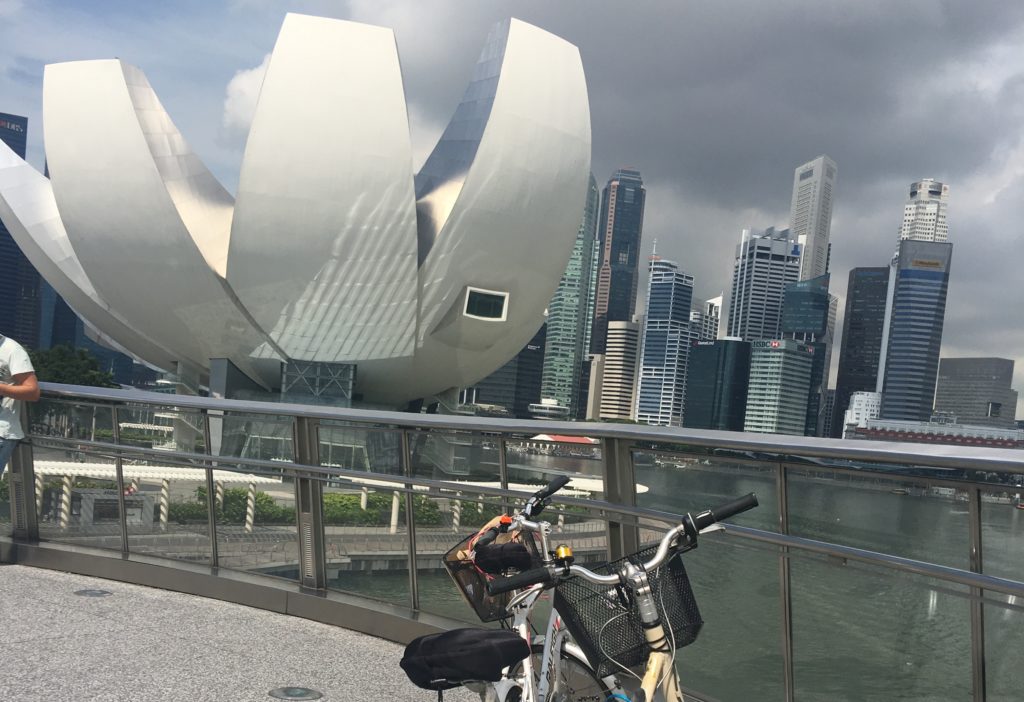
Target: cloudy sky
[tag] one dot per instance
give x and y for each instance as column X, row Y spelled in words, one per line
column 714, row 102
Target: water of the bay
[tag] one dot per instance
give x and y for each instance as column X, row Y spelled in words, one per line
column 860, row 633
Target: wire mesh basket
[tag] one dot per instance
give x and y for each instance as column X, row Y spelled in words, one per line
column 472, row 581
column 607, row 627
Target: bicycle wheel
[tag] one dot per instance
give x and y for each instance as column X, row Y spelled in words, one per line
column 575, row 682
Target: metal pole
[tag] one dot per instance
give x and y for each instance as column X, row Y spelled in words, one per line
column 620, row 488
column 410, row 524
column 211, row 506
column 977, row 602
column 503, row 473
column 119, row 471
column 785, row 589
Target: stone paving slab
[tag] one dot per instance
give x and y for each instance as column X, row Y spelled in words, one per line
column 143, row 643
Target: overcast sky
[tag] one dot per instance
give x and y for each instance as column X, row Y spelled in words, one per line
column 714, row 102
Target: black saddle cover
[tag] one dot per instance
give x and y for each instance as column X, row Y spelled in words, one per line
column 446, row 660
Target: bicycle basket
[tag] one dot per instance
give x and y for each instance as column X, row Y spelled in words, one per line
column 472, row 582
column 607, row 630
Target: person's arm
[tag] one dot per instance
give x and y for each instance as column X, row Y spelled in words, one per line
column 24, row 386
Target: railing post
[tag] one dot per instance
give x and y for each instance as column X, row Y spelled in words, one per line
column 620, row 488
column 22, row 488
column 785, row 590
column 506, row 505
column 119, row 474
column 977, row 600
column 309, row 507
column 211, row 504
column 410, row 524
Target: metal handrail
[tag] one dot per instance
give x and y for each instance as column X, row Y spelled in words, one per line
column 943, row 456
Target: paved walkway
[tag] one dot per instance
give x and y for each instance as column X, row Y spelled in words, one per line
column 139, row 643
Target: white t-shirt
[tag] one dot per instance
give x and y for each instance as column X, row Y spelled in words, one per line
column 13, row 361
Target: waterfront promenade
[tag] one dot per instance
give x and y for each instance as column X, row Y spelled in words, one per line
column 140, row 643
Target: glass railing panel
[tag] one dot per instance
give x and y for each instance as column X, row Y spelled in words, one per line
column 1004, row 641
column 679, row 484
column 256, row 436
column 365, row 531
column 455, row 456
column 533, row 462
column 1002, row 532
column 737, row 655
column 890, row 515
column 81, row 506
column 441, row 525
column 861, row 634
column 166, row 511
column 256, row 526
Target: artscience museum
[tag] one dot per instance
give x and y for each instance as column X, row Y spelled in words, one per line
column 333, row 258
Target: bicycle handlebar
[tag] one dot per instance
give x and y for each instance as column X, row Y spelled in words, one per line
column 520, row 580
column 688, row 530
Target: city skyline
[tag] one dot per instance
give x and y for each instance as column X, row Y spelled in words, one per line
column 721, row 138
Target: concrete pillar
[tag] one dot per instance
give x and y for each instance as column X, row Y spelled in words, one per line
column 394, row 513
column 39, row 495
column 165, row 502
column 250, row 508
column 219, row 496
column 65, row 502
column 456, row 512
column 364, row 497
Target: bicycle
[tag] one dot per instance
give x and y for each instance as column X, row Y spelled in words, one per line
column 630, row 586
column 550, row 667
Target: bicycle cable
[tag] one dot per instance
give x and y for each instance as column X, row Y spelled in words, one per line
column 600, row 645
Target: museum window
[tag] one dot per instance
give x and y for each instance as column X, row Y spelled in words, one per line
column 485, row 304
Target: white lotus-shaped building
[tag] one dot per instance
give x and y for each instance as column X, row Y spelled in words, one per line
column 332, row 251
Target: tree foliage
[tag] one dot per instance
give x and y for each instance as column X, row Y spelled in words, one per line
column 63, row 364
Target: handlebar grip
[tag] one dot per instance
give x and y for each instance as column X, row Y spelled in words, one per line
column 730, row 509
column 519, row 581
column 552, row 487
column 486, row 538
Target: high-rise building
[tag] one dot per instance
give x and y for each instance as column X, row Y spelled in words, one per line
column 780, row 382
column 665, row 345
column 19, row 280
column 766, row 261
column 810, row 213
column 808, row 316
column 829, row 410
column 622, row 220
column 862, row 338
column 705, row 321
column 516, row 385
column 977, row 391
column 568, row 326
column 924, row 215
column 716, row 386
column 864, row 406
column 618, row 371
column 916, row 309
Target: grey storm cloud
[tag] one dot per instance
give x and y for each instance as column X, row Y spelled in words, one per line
column 714, row 102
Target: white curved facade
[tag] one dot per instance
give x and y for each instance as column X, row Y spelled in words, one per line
column 332, row 252
column 332, row 183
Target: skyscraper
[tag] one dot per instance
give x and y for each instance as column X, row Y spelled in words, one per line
column 977, row 391
column 622, row 219
column 918, row 285
column 766, row 261
column 716, row 386
column 665, row 345
column 19, row 280
column 568, row 326
column 808, row 316
column 516, row 385
column 810, row 213
column 618, row 371
column 780, row 380
column 862, row 338
column 924, row 215
column 705, row 321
